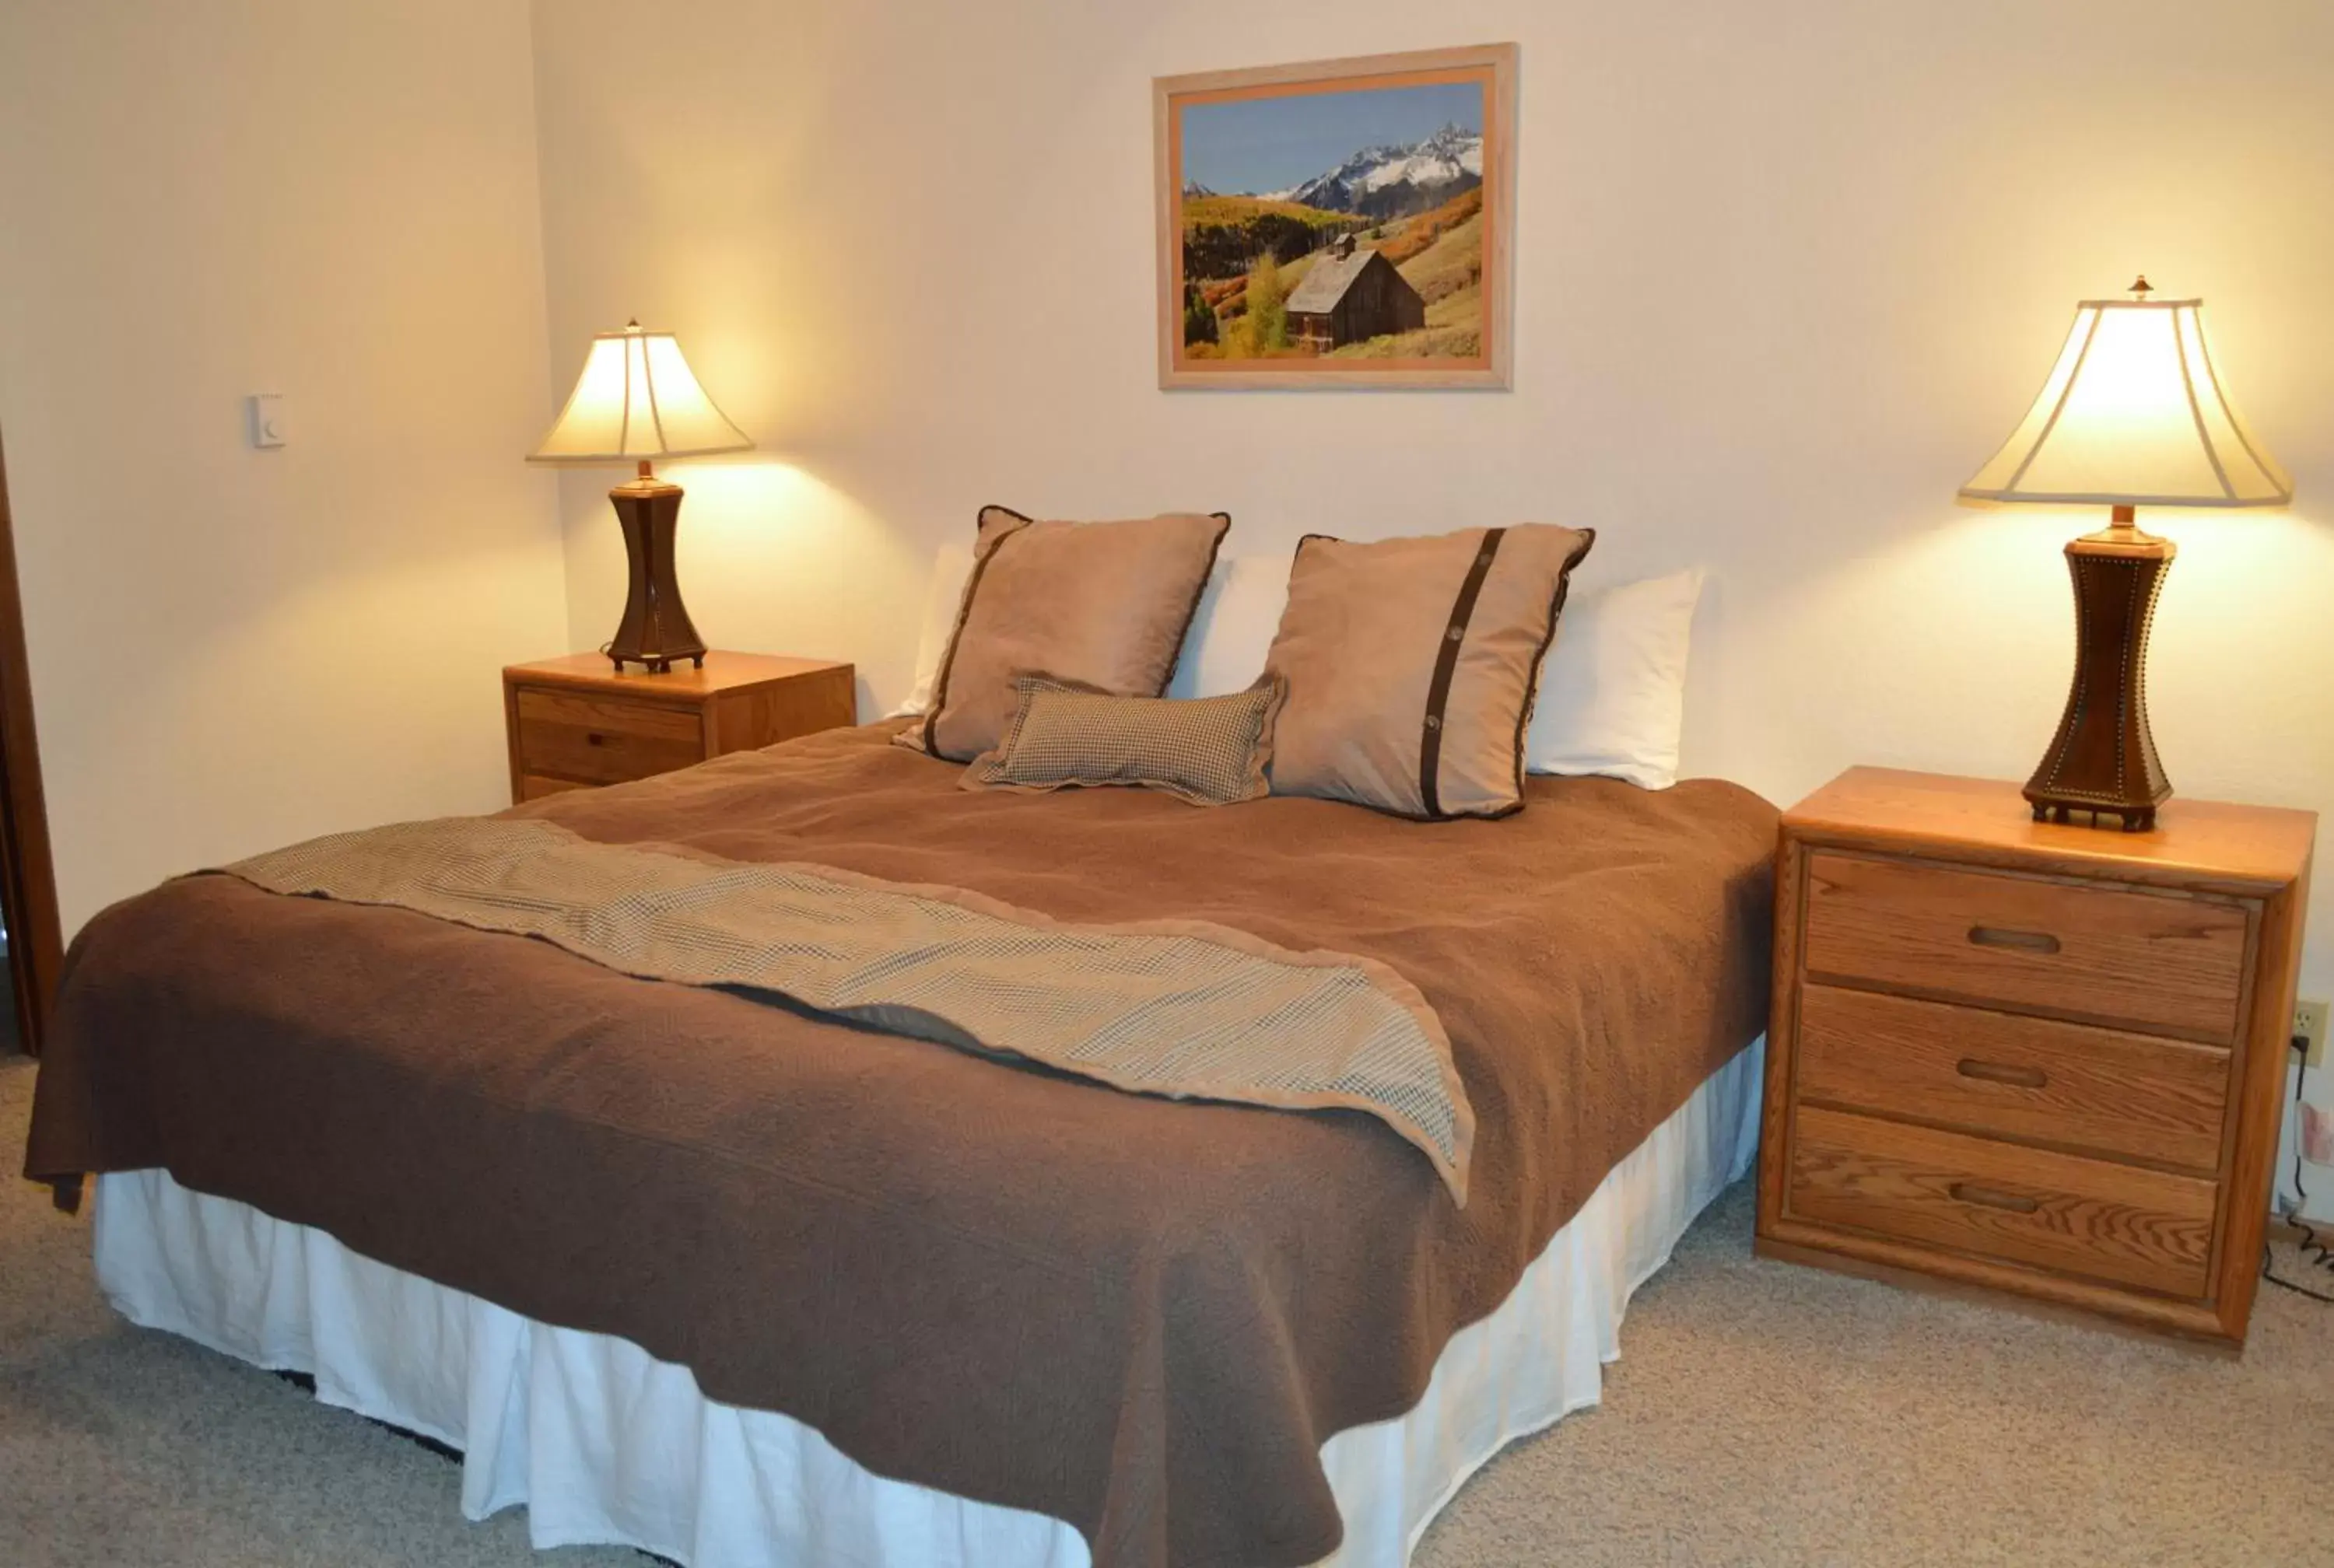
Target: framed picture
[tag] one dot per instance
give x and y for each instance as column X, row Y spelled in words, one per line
column 1345, row 223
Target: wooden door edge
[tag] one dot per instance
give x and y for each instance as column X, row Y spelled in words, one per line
column 28, row 882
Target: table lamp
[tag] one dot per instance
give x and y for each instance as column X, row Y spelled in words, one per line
column 637, row 401
column 2132, row 415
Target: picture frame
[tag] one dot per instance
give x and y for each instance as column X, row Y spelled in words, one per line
column 1387, row 265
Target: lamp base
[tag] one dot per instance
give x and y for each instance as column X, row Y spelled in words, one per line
column 656, row 627
column 2103, row 761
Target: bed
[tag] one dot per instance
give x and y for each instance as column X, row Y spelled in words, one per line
column 712, row 1274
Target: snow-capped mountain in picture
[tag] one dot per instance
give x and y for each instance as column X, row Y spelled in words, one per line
column 1393, row 181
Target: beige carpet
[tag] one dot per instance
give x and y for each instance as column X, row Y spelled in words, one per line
column 1764, row 1414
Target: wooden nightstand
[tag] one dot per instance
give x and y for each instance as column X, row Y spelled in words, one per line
column 575, row 723
column 2026, row 1058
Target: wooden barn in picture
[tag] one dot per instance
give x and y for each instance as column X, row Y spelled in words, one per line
column 1351, row 295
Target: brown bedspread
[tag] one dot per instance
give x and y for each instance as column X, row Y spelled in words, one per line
column 1141, row 1318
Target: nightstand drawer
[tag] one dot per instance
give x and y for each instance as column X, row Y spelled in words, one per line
column 2125, row 1096
column 1999, row 1200
column 2107, row 954
column 599, row 741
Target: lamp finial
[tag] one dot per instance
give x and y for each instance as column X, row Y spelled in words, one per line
column 2141, row 288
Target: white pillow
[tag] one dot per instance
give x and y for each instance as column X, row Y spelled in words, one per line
column 952, row 564
column 1612, row 694
column 1233, row 629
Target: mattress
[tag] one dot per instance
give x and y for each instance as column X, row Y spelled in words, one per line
column 604, row 1443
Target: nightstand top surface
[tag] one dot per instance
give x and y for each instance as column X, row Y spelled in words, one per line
column 723, row 671
column 2215, row 839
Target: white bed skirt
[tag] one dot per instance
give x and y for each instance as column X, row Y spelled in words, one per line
column 604, row 1443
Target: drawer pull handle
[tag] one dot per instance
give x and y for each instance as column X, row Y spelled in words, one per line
column 2002, row 936
column 1991, row 1198
column 2002, row 1072
column 594, row 737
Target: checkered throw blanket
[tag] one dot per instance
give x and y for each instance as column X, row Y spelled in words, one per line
column 1178, row 1008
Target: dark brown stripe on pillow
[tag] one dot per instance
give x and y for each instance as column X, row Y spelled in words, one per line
column 1446, row 665
column 963, row 613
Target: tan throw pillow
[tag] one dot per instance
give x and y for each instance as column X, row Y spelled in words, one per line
column 1412, row 665
column 1104, row 604
column 1211, row 751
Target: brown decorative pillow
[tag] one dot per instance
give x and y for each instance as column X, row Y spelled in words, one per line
column 1211, row 751
column 1102, row 603
column 1412, row 665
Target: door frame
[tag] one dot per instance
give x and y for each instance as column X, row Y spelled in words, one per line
column 28, row 878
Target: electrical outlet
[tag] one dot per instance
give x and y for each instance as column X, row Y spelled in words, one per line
column 2309, row 1021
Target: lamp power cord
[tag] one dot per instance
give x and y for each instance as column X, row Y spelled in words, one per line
column 2315, row 1249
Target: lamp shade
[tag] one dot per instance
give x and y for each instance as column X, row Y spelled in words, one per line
column 637, row 398
column 2134, row 414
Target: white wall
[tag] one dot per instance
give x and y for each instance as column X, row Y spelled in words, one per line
column 1787, row 274
column 233, row 648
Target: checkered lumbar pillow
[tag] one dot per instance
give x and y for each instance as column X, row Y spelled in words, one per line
column 1211, row 751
